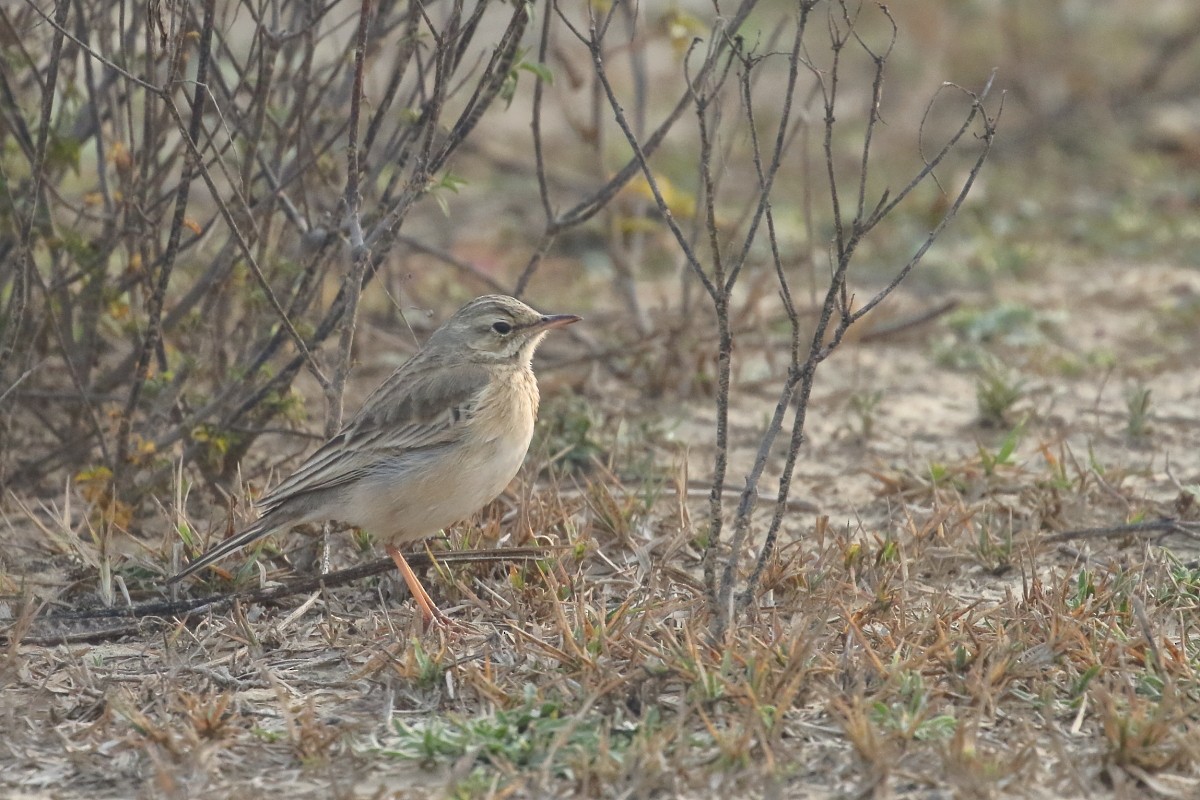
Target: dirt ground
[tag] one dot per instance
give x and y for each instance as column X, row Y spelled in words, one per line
column 974, row 660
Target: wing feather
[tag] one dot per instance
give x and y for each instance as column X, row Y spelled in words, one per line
column 420, row 407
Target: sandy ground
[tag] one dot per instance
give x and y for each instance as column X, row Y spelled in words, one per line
column 303, row 695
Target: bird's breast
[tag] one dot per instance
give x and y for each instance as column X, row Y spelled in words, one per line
column 507, row 409
column 457, row 480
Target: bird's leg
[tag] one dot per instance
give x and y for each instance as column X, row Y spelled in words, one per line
column 429, row 611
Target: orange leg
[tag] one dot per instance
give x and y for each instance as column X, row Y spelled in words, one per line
column 429, row 611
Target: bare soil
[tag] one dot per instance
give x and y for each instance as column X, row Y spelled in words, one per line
column 920, row 634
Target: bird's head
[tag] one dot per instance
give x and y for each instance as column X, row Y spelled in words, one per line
column 496, row 329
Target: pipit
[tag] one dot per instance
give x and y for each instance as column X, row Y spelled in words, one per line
column 439, row 439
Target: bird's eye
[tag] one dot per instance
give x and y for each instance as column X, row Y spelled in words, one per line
column 502, row 328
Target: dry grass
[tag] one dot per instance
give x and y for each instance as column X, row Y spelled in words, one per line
column 926, row 632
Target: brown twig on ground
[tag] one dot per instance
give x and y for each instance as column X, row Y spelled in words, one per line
column 131, row 618
column 894, row 327
column 1164, row 527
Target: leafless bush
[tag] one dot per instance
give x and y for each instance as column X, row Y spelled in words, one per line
column 723, row 65
column 182, row 185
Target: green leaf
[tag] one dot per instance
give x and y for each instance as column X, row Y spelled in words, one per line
column 542, row 71
column 63, row 151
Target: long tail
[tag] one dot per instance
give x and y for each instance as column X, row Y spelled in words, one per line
column 266, row 524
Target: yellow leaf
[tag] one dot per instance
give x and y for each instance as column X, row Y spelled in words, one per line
column 681, row 28
column 94, row 484
column 119, row 155
column 682, row 204
column 627, row 223
column 118, row 310
column 118, row 514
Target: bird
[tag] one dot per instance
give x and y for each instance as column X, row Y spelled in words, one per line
column 439, row 439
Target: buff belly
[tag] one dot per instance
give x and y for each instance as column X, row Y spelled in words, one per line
column 426, row 492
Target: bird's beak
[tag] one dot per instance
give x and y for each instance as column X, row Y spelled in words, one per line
column 552, row 321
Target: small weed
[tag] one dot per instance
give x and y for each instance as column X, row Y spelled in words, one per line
column 1142, row 733
column 211, row 716
column 909, row 714
column 313, row 738
column 1183, row 589
column 997, row 390
column 1056, row 467
column 865, row 405
column 888, row 553
column 268, row 736
column 974, row 330
column 994, row 546
column 567, row 432
column 362, row 539
column 1137, row 402
column 1004, row 453
column 429, row 666
column 478, row 783
column 522, row 737
column 1085, row 589
column 186, row 535
column 1011, row 324
column 938, row 473
column 1080, row 685
column 615, row 510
